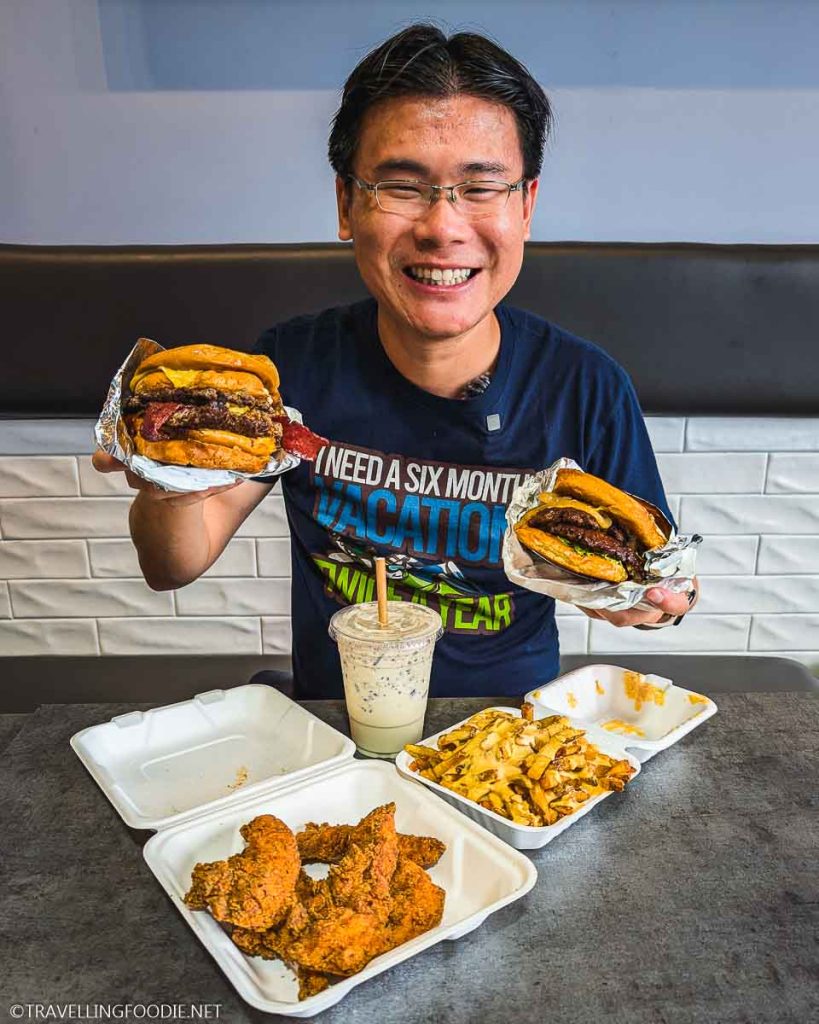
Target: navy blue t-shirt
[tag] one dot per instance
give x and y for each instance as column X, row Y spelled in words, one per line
column 425, row 481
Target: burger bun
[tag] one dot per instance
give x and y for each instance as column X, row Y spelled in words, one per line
column 631, row 513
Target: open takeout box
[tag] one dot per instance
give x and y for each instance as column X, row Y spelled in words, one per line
column 643, row 713
column 592, row 698
column 196, row 771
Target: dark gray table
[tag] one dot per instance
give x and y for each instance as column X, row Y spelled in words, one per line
column 691, row 897
column 164, row 678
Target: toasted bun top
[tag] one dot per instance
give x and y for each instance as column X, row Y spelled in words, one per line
column 614, row 502
column 210, row 357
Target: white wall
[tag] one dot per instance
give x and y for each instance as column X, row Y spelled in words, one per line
column 161, row 121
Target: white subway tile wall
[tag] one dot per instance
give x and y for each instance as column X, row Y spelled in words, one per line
column 70, row 580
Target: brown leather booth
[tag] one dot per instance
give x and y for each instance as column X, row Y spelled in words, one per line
column 702, row 329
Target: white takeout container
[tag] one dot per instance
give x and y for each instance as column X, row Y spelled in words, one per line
column 198, row 770
column 162, row 766
column 595, row 695
column 522, row 837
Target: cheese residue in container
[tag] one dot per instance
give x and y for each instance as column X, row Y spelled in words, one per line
column 697, row 698
column 624, row 728
column 642, row 692
column 242, row 775
column 571, row 700
column 599, row 688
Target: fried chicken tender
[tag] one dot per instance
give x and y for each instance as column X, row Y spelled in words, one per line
column 337, row 925
column 374, row 898
column 327, row 844
column 255, row 888
column 312, row 982
column 417, row 904
column 341, row 941
column 361, row 879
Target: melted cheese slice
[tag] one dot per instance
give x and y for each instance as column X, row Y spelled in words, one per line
column 227, row 382
column 558, row 501
column 181, row 378
column 235, row 380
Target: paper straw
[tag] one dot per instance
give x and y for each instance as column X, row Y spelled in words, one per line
column 381, row 590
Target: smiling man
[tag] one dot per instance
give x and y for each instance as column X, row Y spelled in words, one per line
column 437, row 397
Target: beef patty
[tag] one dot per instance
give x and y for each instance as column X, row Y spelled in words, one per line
column 165, row 420
column 202, row 396
column 581, row 528
column 216, row 416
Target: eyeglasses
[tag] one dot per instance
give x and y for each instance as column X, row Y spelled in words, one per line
column 475, row 199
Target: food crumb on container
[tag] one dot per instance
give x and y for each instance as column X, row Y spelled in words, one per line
column 242, row 775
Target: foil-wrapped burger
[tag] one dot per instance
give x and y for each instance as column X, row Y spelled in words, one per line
column 206, row 406
column 591, row 528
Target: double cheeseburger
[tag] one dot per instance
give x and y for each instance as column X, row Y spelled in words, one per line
column 206, row 406
column 592, row 528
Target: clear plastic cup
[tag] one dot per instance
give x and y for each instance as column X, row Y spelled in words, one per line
column 386, row 672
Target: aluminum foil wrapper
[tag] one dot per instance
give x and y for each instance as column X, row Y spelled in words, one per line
column 672, row 565
column 112, row 436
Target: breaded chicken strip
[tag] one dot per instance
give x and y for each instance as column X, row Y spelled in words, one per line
column 327, row 844
column 255, row 888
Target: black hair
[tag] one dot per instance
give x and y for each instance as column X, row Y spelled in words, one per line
column 421, row 61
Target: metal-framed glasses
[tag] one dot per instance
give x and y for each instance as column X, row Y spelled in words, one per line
column 410, row 198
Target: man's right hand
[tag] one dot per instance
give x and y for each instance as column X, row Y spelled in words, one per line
column 105, row 463
column 179, row 536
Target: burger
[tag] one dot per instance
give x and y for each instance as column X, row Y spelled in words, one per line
column 592, row 528
column 206, row 406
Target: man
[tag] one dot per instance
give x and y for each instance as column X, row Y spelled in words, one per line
column 437, row 398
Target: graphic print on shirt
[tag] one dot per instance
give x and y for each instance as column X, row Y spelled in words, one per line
column 432, row 521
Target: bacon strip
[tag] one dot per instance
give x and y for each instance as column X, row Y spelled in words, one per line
column 156, row 414
column 299, row 440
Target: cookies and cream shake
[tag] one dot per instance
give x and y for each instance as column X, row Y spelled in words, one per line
column 386, row 671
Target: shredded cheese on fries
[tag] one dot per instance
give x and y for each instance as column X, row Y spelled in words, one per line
column 531, row 772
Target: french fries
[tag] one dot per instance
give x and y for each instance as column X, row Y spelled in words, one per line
column 531, row 772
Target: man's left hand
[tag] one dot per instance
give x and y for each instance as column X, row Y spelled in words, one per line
column 666, row 603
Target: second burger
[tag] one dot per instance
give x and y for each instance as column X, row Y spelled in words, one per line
column 593, row 529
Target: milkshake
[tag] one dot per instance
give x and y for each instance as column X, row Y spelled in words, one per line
column 386, row 672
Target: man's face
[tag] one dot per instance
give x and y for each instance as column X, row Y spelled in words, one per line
column 442, row 142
